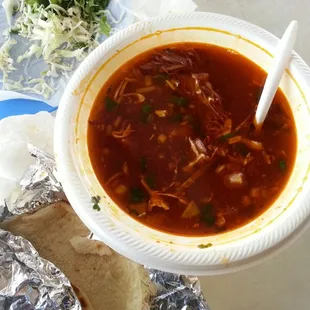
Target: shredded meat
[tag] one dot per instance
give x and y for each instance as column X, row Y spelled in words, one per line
column 192, row 179
column 248, row 120
column 136, row 97
column 170, row 61
column 123, row 133
column 208, row 105
column 202, row 154
column 227, row 126
column 130, row 79
column 248, row 159
column 114, row 177
column 175, row 173
column 184, row 201
column 194, row 162
column 196, row 86
column 118, row 95
column 199, row 156
column 267, row 158
column 251, row 144
column 234, row 140
column 208, row 96
column 156, row 199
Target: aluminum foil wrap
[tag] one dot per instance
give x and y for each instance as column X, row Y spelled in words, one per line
column 38, row 187
column 29, row 282
column 176, row 292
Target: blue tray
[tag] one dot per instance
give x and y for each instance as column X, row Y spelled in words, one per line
column 21, row 106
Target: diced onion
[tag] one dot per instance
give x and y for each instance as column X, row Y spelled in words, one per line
column 251, row 144
column 235, row 180
column 170, row 84
column 161, row 113
column 191, row 211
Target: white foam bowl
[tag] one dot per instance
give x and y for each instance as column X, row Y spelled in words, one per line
column 230, row 251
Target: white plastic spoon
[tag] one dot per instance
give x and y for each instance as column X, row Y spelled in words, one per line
column 280, row 62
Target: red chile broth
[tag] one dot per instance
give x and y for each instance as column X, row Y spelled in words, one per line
column 171, row 140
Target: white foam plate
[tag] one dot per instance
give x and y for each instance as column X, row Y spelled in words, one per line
column 230, row 251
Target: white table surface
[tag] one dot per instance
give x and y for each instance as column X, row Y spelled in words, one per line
column 282, row 283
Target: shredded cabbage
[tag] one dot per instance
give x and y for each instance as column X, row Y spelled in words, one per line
column 56, row 32
column 61, row 32
column 6, row 62
column 36, row 86
column 10, row 6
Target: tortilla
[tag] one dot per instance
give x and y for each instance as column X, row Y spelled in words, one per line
column 103, row 279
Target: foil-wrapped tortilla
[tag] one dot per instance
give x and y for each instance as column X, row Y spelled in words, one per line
column 102, row 275
column 175, row 291
column 28, row 281
column 105, row 279
column 38, row 187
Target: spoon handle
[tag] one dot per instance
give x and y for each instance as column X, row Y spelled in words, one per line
column 280, row 62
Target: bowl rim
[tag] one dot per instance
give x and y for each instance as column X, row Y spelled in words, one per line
column 156, row 255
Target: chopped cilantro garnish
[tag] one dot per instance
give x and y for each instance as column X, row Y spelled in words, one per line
column 105, row 27
column 143, row 164
column 95, row 200
column 136, row 195
column 146, row 109
column 176, row 118
column 77, row 45
column 207, row 214
column 227, row 136
column 134, row 212
column 160, row 78
column 189, row 118
column 110, row 104
column 242, row 149
column 180, row 101
column 282, row 165
column 96, row 207
column 14, row 31
column 204, row 246
column 150, row 181
column 43, row 73
column 208, row 207
column 15, row 10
